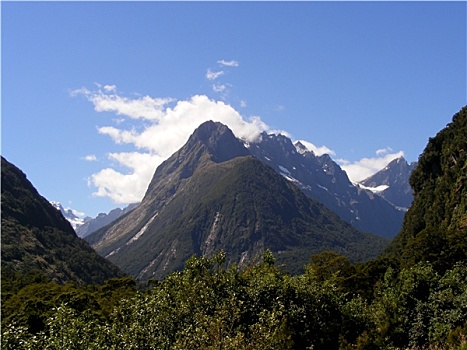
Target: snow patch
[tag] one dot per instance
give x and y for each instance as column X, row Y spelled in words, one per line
column 112, row 252
column 283, row 169
column 324, row 188
column 212, row 234
column 140, row 232
column 377, row 189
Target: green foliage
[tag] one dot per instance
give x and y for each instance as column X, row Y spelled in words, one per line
column 32, row 305
column 210, row 306
column 435, row 227
column 417, row 307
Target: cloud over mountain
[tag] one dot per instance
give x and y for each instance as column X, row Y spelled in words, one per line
column 365, row 167
column 160, row 126
column 164, row 131
column 319, row 151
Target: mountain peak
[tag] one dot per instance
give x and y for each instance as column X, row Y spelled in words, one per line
column 392, row 182
column 219, row 141
column 400, row 161
column 301, row 148
column 206, row 130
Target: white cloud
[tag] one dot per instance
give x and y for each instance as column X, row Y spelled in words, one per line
column 109, row 101
column 318, row 151
column 126, row 187
column 159, row 129
column 90, row 158
column 232, row 63
column 110, row 88
column 278, row 108
column 365, row 167
column 159, row 136
column 382, row 151
column 210, row 75
column 79, row 214
column 219, row 88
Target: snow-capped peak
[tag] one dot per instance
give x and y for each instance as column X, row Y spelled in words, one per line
column 75, row 217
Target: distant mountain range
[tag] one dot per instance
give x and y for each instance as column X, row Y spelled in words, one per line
column 374, row 205
column 85, row 226
column 93, row 224
column 323, row 179
column 214, row 194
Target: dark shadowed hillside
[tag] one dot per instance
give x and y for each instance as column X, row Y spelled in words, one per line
column 38, row 241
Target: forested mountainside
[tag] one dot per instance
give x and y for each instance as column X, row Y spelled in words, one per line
column 414, row 296
column 435, row 227
column 210, row 196
column 39, row 243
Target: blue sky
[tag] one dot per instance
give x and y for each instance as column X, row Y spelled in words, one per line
column 96, row 94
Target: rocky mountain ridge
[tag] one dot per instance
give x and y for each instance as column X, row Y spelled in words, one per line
column 323, row 179
column 83, row 226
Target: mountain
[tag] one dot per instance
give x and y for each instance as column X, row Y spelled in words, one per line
column 37, row 239
column 85, row 226
column 212, row 195
column 435, row 226
column 323, row 179
column 89, row 225
column 68, row 214
column 392, row 183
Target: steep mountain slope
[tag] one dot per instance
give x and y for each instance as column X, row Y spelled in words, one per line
column 324, row 180
column 213, row 195
column 435, row 227
column 392, row 182
column 36, row 238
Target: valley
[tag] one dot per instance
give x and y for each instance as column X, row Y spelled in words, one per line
column 227, row 250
